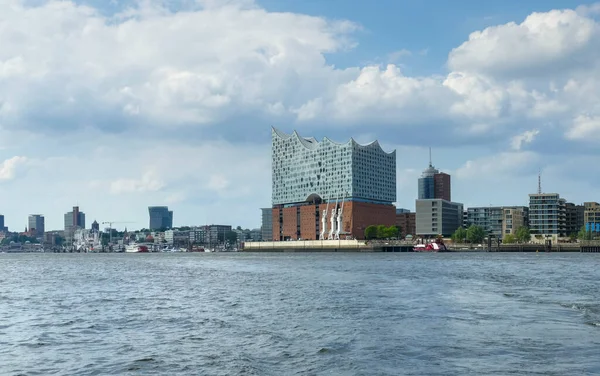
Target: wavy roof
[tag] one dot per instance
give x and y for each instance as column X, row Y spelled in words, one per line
column 311, row 143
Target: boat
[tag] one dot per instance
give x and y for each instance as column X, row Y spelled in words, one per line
column 136, row 248
column 434, row 246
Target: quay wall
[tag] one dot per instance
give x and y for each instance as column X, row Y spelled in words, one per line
column 309, row 246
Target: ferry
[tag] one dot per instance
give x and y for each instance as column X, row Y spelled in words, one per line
column 435, row 246
column 136, row 248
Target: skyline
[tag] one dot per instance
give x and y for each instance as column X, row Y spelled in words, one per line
column 127, row 108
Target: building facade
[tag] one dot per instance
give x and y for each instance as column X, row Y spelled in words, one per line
column 575, row 216
column 591, row 216
column 514, row 217
column 547, row 214
column 36, row 224
column 434, row 184
column 323, row 190
column 210, row 235
column 177, row 237
column 73, row 220
column 487, row 217
column 438, row 217
column 160, row 217
column 407, row 223
column 266, row 227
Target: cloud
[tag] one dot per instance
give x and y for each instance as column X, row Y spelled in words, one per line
column 398, row 55
column 149, row 182
column 170, row 102
column 526, row 137
column 9, row 167
column 499, row 167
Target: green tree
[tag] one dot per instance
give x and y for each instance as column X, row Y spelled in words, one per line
column 583, row 234
column 509, row 239
column 231, row 237
column 523, row 234
column 475, row 234
column 459, row 235
column 382, row 231
column 371, row 232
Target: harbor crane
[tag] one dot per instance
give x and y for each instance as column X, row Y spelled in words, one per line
column 110, row 223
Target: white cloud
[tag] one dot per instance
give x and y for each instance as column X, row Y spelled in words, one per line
column 149, row 182
column 8, row 168
column 526, row 137
column 499, row 167
column 192, row 94
column 585, row 128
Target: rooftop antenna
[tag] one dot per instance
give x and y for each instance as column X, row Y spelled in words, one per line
column 540, row 182
column 430, row 157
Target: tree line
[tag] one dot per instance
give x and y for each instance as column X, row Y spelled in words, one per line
column 381, row 232
column 476, row 234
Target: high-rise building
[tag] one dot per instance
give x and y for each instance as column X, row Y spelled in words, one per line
column 547, row 214
column 36, row 222
column 324, row 190
column 160, row 217
column 266, row 227
column 434, row 184
column 74, row 220
column 2, row 227
column 96, row 226
column 574, row 217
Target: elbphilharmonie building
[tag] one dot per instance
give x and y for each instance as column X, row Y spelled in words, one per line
column 327, row 190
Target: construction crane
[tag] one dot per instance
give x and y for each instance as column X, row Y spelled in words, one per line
column 110, row 223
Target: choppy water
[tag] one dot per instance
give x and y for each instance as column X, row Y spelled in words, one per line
column 305, row 314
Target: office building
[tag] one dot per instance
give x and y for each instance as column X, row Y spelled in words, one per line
column 406, row 221
column 574, row 218
column 2, row 227
column 160, row 217
column 438, row 217
column 210, row 235
column 96, row 227
column 177, row 237
column 591, row 216
column 514, row 217
column 434, row 184
column 36, row 224
column 497, row 220
column 326, row 190
column 266, row 227
column 547, row 215
column 74, row 220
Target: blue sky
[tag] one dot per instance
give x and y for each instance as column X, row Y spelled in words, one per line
column 118, row 105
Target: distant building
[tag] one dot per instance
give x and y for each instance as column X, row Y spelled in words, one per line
column 407, row 222
column 434, row 184
column 514, row 217
column 36, row 225
column 256, row 235
column 574, row 218
column 95, row 226
column 498, row 220
column 74, row 220
column 266, row 227
column 177, row 237
column 209, row 235
column 438, row 217
column 591, row 215
column 326, row 189
column 2, row 227
column 547, row 215
column 160, row 217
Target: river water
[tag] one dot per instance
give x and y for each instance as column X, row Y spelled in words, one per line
column 300, row 314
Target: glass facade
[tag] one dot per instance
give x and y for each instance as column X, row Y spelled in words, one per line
column 547, row 214
column 160, row 217
column 304, row 169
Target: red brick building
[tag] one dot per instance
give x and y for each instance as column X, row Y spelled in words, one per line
column 407, row 223
column 304, row 221
column 441, row 184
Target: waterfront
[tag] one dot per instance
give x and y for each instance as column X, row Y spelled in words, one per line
column 317, row 313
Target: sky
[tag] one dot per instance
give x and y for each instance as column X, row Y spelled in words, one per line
column 119, row 105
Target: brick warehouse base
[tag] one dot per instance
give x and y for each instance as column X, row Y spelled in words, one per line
column 304, row 220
